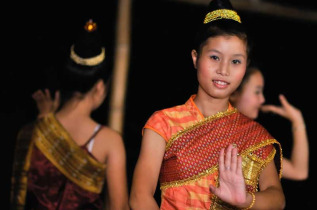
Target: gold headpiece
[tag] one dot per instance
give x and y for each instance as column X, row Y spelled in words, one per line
column 222, row 14
column 93, row 61
column 90, row 26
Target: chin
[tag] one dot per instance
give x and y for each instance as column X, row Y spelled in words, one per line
column 254, row 116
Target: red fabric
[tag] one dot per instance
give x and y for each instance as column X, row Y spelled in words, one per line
column 48, row 188
column 191, row 157
column 198, row 150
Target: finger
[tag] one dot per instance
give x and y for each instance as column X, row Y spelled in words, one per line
column 282, row 98
column 57, row 95
column 234, row 154
column 239, row 164
column 228, row 157
column 284, row 101
column 269, row 108
column 36, row 94
column 274, row 109
column 212, row 189
column 40, row 96
column 47, row 94
column 56, row 100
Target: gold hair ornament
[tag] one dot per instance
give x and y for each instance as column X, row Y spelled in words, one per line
column 222, row 14
column 93, row 61
column 90, row 26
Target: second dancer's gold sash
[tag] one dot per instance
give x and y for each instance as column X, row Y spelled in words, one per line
column 75, row 163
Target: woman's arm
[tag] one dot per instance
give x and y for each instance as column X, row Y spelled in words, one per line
column 270, row 195
column 117, row 190
column 147, row 171
column 297, row 166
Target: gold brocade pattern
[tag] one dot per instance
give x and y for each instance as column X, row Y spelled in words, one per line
column 249, row 159
column 192, row 154
column 222, row 14
column 205, row 120
column 23, row 152
column 251, row 166
column 75, row 163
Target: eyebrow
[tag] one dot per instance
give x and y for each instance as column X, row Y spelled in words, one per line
column 212, row 50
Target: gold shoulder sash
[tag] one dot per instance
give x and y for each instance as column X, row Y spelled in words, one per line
column 195, row 150
column 21, row 164
column 74, row 162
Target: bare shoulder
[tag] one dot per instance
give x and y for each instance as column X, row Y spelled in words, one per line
column 111, row 133
column 110, row 137
column 108, row 143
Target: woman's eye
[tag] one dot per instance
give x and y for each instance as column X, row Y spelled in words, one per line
column 214, row 57
column 236, row 61
column 259, row 92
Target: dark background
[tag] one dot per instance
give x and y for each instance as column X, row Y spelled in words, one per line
column 160, row 71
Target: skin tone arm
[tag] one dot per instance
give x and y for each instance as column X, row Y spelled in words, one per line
column 45, row 103
column 147, row 171
column 297, row 166
column 232, row 186
column 117, row 191
column 270, row 195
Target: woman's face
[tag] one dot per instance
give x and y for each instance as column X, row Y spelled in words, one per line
column 220, row 66
column 251, row 97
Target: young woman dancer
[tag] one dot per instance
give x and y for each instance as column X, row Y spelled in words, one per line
column 249, row 99
column 205, row 154
column 67, row 160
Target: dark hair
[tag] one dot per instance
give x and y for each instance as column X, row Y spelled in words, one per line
column 76, row 78
column 85, row 63
column 248, row 73
column 220, row 28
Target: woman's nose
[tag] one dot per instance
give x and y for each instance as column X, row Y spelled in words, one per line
column 223, row 69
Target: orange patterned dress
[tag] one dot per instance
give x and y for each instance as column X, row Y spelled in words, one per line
column 193, row 143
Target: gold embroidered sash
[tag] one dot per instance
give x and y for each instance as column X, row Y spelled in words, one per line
column 193, row 153
column 74, row 162
column 23, row 151
column 58, row 147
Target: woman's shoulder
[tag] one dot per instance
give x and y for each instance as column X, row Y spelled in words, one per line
column 169, row 110
column 109, row 133
column 109, row 138
column 108, row 143
column 163, row 116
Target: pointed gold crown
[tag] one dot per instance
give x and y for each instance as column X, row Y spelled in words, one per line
column 222, row 14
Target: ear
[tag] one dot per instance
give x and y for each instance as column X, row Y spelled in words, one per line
column 194, row 57
column 99, row 86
